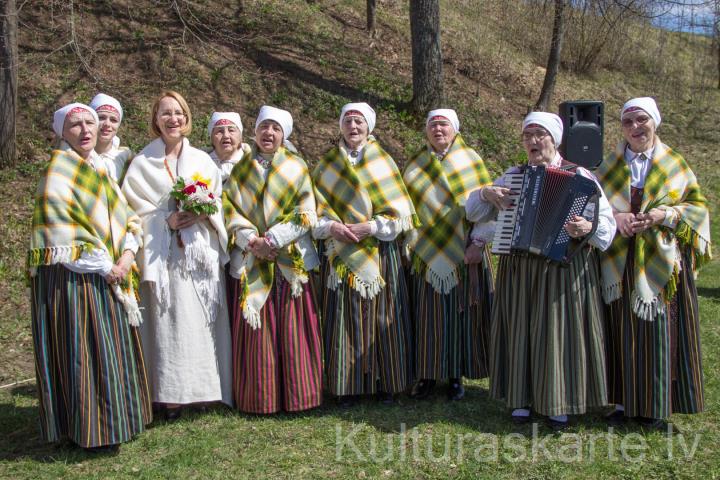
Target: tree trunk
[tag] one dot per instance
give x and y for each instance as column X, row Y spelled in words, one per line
column 8, row 81
column 371, row 5
column 553, row 63
column 426, row 55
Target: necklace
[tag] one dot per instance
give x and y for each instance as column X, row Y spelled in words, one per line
column 264, row 162
column 167, row 168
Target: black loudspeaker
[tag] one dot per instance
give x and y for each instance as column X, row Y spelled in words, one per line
column 582, row 141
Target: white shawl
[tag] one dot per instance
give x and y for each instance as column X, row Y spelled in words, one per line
column 147, row 187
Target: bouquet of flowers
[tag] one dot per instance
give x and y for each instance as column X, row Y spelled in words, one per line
column 194, row 196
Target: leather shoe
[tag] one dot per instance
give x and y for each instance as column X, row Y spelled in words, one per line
column 456, row 391
column 616, row 418
column 557, row 425
column 422, row 389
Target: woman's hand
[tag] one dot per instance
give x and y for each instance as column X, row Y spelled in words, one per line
column 624, row 223
column 500, row 197
column 643, row 221
column 360, row 230
column 473, row 254
column 342, row 233
column 180, row 220
column 578, row 227
column 259, row 247
column 121, row 268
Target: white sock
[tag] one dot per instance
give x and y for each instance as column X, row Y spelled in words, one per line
column 521, row 412
column 559, row 418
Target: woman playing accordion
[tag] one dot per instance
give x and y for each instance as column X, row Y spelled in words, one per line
column 547, row 341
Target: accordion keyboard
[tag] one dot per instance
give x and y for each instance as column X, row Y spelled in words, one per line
column 505, row 224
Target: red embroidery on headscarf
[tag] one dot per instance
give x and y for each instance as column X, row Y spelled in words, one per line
column 75, row 110
column 223, row 121
column 439, row 118
column 108, row 108
column 354, row 113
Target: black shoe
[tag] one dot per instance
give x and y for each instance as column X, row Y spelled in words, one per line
column 558, row 426
column 653, row 423
column 346, row 401
column 422, row 389
column 456, row 391
column 173, row 414
column 616, row 418
column 385, row 398
column 520, row 419
column 113, row 449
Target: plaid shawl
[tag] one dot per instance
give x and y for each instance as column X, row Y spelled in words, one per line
column 657, row 250
column 251, row 201
column 78, row 209
column 356, row 194
column 440, row 188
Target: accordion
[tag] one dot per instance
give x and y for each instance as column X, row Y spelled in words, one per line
column 547, row 198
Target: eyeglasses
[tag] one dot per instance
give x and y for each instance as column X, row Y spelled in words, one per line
column 640, row 120
column 538, row 135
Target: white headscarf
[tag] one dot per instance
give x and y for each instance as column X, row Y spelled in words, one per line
column 646, row 104
column 282, row 117
column 100, row 100
column 229, row 116
column 367, row 112
column 447, row 113
column 60, row 114
column 549, row 121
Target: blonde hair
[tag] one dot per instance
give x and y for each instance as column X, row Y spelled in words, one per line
column 186, row 129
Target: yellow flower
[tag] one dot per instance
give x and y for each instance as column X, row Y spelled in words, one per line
column 674, row 196
column 197, row 177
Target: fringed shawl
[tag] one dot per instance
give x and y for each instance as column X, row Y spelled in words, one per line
column 440, row 188
column 253, row 202
column 354, row 194
column 147, row 186
column 657, row 250
column 77, row 209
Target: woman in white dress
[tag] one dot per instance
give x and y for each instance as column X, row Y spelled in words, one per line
column 116, row 158
column 225, row 130
column 186, row 331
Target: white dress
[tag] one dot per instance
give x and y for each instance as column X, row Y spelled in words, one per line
column 185, row 331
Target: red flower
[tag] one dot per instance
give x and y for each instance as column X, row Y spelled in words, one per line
column 189, row 190
column 212, row 197
column 201, row 184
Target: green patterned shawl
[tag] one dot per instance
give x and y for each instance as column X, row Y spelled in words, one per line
column 439, row 189
column 250, row 201
column 77, row 209
column 657, row 250
column 348, row 194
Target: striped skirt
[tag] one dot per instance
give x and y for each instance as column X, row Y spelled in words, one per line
column 655, row 368
column 368, row 343
column 89, row 364
column 279, row 365
column 452, row 330
column 547, row 341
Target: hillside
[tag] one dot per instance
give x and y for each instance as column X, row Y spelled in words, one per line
column 311, row 58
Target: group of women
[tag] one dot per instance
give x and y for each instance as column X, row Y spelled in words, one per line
column 139, row 305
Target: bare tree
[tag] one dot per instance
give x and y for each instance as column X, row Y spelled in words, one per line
column 426, row 54
column 8, row 81
column 371, row 16
column 553, row 63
